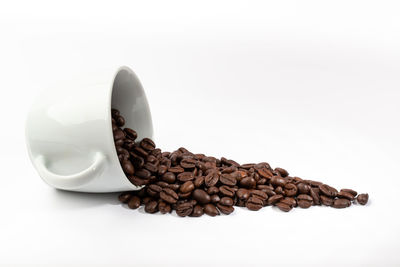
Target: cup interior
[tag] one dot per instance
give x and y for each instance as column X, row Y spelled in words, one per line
column 130, row 99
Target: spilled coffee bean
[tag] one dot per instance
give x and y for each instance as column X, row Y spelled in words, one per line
column 196, row 184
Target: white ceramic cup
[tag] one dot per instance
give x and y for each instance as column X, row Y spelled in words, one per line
column 69, row 134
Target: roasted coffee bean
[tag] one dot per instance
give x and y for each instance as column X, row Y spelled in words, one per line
column 303, row 188
column 227, row 179
column 168, row 195
column 327, row 201
column 184, row 209
column 243, row 193
column 185, row 176
column 201, row 196
column 258, row 193
column 124, row 197
column 254, row 203
column 274, row 199
column 212, row 190
column 248, row 182
column 215, row 198
column 289, row 201
column 283, row 206
column 304, row 204
column 304, row 197
column 198, row 181
column 362, row 199
column 226, row 201
column 128, row 167
column 264, row 172
column 327, row 190
column 282, row 172
column 227, row 191
column 164, row 207
column 153, row 190
column 187, row 187
column 189, row 182
column 341, row 203
column 315, row 196
column 150, row 167
column 211, row 210
column 278, row 181
column 188, row 163
column 131, row 134
column 290, row 190
column 134, row 202
column 344, row 194
column 211, row 179
column 351, row 191
column 225, row 209
column 168, row 177
column 197, row 211
column 147, row 144
column 151, row 207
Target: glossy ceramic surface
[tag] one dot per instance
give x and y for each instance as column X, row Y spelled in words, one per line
column 69, row 135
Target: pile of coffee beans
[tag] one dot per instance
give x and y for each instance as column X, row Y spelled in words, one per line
column 194, row 184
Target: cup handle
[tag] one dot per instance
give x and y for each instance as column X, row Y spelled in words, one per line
column 72, row 181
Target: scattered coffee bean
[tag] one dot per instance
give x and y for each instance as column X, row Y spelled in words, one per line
column 194, row 184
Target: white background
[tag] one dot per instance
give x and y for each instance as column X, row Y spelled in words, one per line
column 311, row 86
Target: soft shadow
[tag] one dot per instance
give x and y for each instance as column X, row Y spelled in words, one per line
column 77, row 200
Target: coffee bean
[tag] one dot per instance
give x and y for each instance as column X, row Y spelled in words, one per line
column 362, row 199
column 197, row 211
column 147, row 144
column 153, row 190
column 211, row 179
column 211, row 210
column 151, row 207
column 327, row 201
column 227, row 179
column 226, row 201
column 274, row 199
column 188, row 163
column 168, row 195
column 201, row 196
column 351, row 191
column 185, row 176
column 189, row 182
column 248, row 182
column 243, row 193
column 304, row 204
column 344, row 194
column 215, row 198
column 184, row 209
column 168, row 177
column 198, row 181
column 315, row 196
column 187, row 187
column 225, row 209
column 290, row 189
column 341, row 203
column 127, row 167
column 303, row 188
column 131, row 134
column 278, row 181
column 328, row 190
column 254, row 203
column 134, row 202
column 282, row 172
column 283, row 206
column 227, row 191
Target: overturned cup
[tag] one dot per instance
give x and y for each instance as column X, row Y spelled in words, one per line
column 69, row 131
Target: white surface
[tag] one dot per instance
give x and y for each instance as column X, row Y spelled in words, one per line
column 311, row 86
